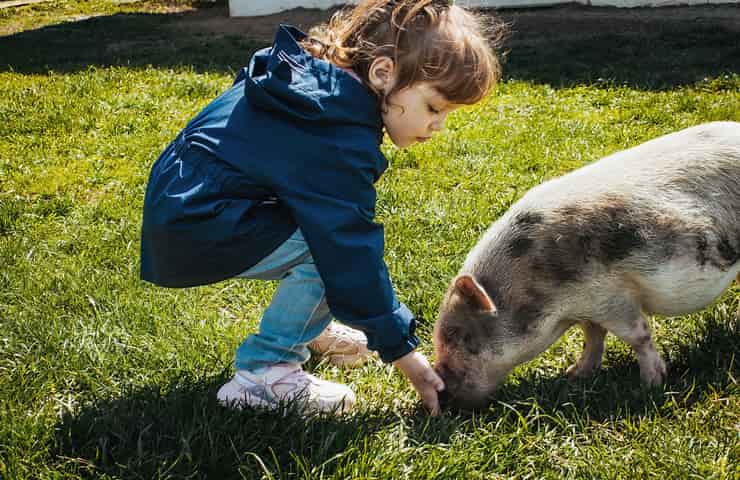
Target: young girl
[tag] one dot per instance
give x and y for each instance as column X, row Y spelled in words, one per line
column 274, row 180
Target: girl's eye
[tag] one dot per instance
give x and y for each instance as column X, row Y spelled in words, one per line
column 432, row 109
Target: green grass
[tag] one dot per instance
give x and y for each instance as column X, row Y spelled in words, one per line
column 103, row 376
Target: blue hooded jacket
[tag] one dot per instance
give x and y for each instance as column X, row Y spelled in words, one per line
column 295, row 142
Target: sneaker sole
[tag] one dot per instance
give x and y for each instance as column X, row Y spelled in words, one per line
column 253, row 401
column 243, row 400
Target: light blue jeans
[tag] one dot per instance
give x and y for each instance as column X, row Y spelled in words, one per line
column 297, row 314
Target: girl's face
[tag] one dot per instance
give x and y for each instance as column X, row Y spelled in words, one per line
column 415, row 113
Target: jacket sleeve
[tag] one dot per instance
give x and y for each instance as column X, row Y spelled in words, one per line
column 334, row 205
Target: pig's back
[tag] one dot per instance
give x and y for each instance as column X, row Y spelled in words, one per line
column 665, row 214
column 701, row 160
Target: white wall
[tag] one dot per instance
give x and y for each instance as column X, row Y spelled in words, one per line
column 249, row 8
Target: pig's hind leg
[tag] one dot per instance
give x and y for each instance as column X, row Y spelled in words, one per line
column 636, row 333
column 593, row 351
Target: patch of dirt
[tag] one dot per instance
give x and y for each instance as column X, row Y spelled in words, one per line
column 543, row 22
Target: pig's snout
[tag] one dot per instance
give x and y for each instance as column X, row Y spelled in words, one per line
column 445, row 374
column 460, row 393
column 452, row 383
column 444, row 399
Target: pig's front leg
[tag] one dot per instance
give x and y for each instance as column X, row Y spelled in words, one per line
column 593, row 351
column 637, row 334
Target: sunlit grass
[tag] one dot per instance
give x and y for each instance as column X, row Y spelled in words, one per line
column 104, row 376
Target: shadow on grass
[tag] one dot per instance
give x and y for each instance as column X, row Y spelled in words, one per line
column 562, row 46
column 150, row 434
column 126, row 39
column 183, row 432
column 643, row 48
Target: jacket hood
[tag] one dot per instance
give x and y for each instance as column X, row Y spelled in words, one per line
column 286, row 78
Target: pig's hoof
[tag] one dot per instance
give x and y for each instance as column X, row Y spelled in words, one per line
column 654, row 372
column 579, row 370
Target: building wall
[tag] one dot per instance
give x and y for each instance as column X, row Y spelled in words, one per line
column 250, row 8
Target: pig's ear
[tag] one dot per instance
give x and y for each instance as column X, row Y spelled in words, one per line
column 470, row 289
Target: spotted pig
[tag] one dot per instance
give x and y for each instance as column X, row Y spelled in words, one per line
column 652, row 229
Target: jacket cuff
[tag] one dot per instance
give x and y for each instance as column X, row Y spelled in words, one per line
column 393, row 335
column 393, row 354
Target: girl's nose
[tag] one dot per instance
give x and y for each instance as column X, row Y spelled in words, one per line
column 439, row 124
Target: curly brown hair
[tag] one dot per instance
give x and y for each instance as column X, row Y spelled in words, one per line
column 433, row 41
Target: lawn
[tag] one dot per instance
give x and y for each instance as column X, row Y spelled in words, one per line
column 104, row 376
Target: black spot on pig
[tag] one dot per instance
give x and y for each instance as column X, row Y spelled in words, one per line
column 616, row 231
column 535, row 296
column 526, row 316
column 726, row 254
column 525, row 219
column 557, row 264
column 520, row 245
column 525, row 231
column 560, row 246
column 702, row 246
column 727, row 251
column 608, row 231
column 529, row 310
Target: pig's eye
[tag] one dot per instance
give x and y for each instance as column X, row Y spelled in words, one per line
column 452, row 333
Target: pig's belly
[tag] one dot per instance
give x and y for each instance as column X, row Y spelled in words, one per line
column 682, row 287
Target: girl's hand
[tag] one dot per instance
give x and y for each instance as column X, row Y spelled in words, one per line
column 424, row 379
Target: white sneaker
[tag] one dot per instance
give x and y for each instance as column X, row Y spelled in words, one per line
column 285, row 383
column 344, row 346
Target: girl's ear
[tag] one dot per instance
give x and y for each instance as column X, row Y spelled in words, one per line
column 380, row 74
